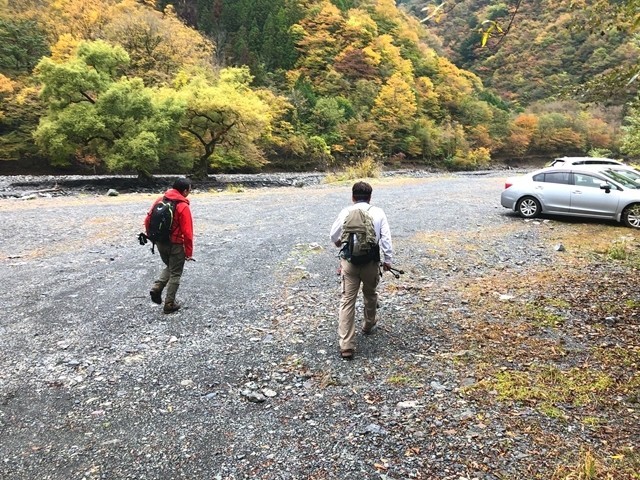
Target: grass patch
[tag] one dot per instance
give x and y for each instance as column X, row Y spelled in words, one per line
column 297, row 275
column 542, row 312
column 409, row 375
column 624, row 465
column 305, row 249
column 632, row 304
column 541, row 315
column 621, row 249
column 558, row 303
column 551, row 411
column 233, row 188
column 547, row 387
column 591, row 421
column 399, row 380
column 587, row 238
column 435, row 240
column 627, row 357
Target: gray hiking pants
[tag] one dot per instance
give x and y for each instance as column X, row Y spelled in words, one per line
column 172, row 255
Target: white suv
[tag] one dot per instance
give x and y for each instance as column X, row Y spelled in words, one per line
column 565, row 161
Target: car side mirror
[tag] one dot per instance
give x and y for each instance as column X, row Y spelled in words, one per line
column 605, row 186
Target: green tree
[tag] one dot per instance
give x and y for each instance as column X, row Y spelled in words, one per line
column 391, row 59
column 96, row 114
column 22, row 44
column 474, row 112
column 386, row 15
column 359, row 29
column 224, row 121
column 345, row 5
column 630, row 143
column 328, row 113
column 278, row 48
column 427, row 138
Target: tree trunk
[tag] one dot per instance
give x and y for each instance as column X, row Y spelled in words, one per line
column 144, row 175
column 201, row 168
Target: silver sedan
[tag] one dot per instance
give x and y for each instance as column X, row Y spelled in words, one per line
column 589, row 191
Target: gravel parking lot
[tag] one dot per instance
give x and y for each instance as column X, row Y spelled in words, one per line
column 245, row 381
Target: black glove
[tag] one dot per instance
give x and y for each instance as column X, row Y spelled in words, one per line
column 142, row 238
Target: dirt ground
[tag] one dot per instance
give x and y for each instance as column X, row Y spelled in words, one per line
column 508, row 349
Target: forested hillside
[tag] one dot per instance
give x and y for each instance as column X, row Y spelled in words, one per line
column 222, row 85
column 548, row 50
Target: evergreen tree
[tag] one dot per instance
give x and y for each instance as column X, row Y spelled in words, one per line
column 22, row 44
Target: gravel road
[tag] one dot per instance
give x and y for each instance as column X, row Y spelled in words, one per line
column 245, row 381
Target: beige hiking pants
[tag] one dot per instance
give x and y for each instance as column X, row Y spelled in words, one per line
column 352, row 277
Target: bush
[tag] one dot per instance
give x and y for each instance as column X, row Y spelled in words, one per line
column 472, row 160
column 600, row 152
column 367, row 167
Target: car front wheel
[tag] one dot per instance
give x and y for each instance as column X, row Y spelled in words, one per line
column 528, row 207
column 631, row 216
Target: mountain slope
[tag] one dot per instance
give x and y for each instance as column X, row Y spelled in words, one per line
column 550, row 49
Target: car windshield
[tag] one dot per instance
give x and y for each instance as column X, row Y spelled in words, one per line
column 626, row 178
column 632, row 174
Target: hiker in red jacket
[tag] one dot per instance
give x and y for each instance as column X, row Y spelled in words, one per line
column 179, row 248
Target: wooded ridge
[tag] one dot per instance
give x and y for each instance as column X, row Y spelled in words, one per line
column 227, row 86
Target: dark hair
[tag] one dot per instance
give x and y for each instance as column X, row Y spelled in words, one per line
column 182, row 184
column 361, row 191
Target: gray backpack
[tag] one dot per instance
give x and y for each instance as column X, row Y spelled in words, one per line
column 359, row 243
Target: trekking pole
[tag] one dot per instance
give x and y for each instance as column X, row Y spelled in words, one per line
column 394, row 271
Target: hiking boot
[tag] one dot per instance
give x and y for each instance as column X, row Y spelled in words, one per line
column 156, row 295
column 170, row 307
column 347, row 354
column 368, row 329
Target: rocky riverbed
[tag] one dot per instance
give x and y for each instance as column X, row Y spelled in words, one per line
column 499, row 355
